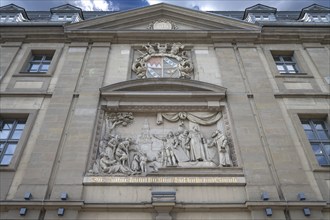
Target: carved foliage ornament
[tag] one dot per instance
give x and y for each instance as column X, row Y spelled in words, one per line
column 162, row 24
column 163, row 60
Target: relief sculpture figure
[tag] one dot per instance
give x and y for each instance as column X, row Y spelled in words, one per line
column 169, row 144
column 197, row 146
column 221, row 142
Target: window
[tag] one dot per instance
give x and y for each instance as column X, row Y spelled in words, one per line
column 8, row 18
column 317, row 133
column 261, row 18
column 65, row 18
column 39, row 62
column 286, row 64
column 10, row 133
column 320, row 18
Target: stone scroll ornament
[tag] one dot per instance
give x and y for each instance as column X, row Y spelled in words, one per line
column 201, row 118
column 163, row 60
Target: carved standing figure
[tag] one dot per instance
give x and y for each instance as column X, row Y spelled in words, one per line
column 185, row 143
column 136, row 163
column 169, row 143
column 121, row 152
column 143, row 163
column 221, row 142
column 197, row 147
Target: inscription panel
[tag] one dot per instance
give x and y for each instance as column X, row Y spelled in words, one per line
column 119, row 180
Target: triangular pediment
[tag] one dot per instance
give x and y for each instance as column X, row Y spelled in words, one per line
column 14, row 9
column 162, row 94
column 162, row 17
column 314, row 8
column 259, row 8
column 11, row 8
column 65, row 8
column 166, row 85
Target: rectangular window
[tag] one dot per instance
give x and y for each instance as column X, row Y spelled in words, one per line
column 317, row 132
column 10, row 133
column 40, row 62
column 286, row 64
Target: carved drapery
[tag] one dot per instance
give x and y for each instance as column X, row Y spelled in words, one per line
column 201, row 118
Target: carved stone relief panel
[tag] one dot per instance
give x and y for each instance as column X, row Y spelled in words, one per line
column 162, row 61
column 144, row 143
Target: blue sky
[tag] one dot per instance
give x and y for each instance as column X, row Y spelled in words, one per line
column 204, row 5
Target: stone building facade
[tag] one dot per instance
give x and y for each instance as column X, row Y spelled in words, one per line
column 164, row 113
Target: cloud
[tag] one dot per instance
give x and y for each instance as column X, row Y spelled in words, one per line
column 94, row 5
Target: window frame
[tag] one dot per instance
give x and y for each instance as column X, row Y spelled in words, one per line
column 282, row 62
column 43, row 61
column 21, row 70
column 297, row 115
column 317, row 139
column 303, row 69
column 29, row 116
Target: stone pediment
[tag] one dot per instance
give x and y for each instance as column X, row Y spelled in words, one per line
column 162, row 85
column 161, row 17
column 162, row 93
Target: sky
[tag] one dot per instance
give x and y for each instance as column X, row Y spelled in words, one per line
column 203, row 5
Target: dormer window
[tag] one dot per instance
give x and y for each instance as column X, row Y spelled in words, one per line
column 315, row 13
column 7, row 18
column 65, row 17
column 12, row 13
column 320, row 18
column 66, row 13
column 259, row 13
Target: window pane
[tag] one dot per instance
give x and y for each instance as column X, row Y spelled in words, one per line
column 6, row 160
column 287, row 58
column 37, row 58
column 1, row 147
column 307, row 126
column 20, row 125
column 44, row 67
column 322, row 160
column 8, row 125
column 310, row 135
column 317, row 149
column 10, row 149
column 291, row 68
column 276, row 58
column 319, row 125
column 34, row 68
column 49, row 57
column 327, row 149
column 322, row 135
column 4, row 134
column 280, row 67
column 17, row 134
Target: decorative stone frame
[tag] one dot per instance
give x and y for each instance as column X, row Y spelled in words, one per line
column 30, row 116
column 297, row 115
column 145, row 96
